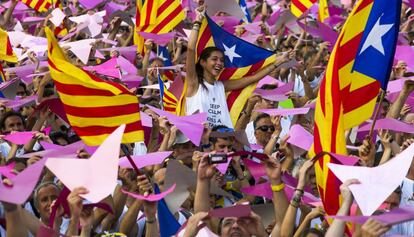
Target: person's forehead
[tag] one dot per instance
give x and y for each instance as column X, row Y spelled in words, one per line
column 13, row 118
column 48, row 190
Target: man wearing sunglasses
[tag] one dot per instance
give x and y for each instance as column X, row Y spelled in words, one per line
column 264, row 129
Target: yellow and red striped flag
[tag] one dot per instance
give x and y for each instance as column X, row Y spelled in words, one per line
column 42, row 5
column 241, row 59
column 360, row 64
column 157, row 17
column 298, row 7
column 94, row 107
column 6, row 50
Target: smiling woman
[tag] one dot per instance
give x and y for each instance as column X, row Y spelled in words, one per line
column 204, row 92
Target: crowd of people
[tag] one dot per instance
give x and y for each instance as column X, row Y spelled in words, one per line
column 202, row 185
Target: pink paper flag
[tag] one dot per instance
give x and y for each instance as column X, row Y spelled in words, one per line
column 232, row 211
column 253, row 27
column 284, row 112
column 277, row 94
column 155, row 158
column 126, row 66
column 23, row 184
column 7, row 170
column 265, row 190
column 19, row 138
column 52, row 150
column 20, row 102
column 345, row 160
column 98, row 174
column 395, row 216
column 191, row 126
column 151, row 197
column 222, row 168
column 108, row 68
column 89, row 4
column 159, row 39
column 257, row 170
column 146, row 120
column 323, row 31
column 300, row 137
column 112, row 7
column 390, row 124
column 405, row 53
column 376, row 183
column 268, row 80
column 57, row 17
column 98, row 54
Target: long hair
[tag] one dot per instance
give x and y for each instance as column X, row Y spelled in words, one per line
column 205, row 54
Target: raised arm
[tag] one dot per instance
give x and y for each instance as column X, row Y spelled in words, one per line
column 337, row 227
column 230, row 85
column 192, row 82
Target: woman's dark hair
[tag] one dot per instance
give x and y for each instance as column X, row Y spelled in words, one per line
column 205, row 54
column 312, row 231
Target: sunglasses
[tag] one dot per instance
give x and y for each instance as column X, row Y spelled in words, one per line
column 266, row 128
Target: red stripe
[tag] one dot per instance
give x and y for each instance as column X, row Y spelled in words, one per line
column 255, row 67
column 231, row 98
column 164, row 6
column 336, row 104
column 114, row 84
column 363, row 5
column 100, row 130
column 205, row 37
column 47, row 5
column 331, row 202
column 51, row 64
column 167, row 19
column 28, row 2
column 227, row 73
column 347, row 52
column 9, row 49
column 317, row 146
column 38, row 4
column 322, row 94
column 299, row 5
column 360, row 96
column 101, row 112
column 138, row 16
column 78, row 90
column 150, row 5
column 169, row 97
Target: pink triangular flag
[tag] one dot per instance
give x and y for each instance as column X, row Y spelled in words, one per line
column 98, row 174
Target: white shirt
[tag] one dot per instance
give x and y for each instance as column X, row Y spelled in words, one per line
column 211, row 101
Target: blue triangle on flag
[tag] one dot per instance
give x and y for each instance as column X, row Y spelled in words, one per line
column 168, row 224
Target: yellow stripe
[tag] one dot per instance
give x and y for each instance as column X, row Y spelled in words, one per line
column 323, row 10
column 295, row 11
column 130, row 137
column 104, row 122
column 359, row 115
column 97, row 101
column 354, row 24
column 307, row 3
column 81, row 78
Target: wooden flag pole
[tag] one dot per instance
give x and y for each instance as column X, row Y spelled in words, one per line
column 382, row 96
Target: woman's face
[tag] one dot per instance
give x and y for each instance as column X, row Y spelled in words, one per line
column 214, row 64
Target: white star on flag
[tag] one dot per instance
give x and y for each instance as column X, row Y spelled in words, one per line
column 374, row 37
column 161, row 56
column 230, row 52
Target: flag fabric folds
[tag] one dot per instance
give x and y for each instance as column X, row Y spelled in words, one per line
column 298, row 7
column 164, row 55
column 243, row 6
column 241, row 59
column 157, row 17
column 42, row 5
column 6, row 50
column 358, row 67
column 166, row 220
column 168, row 100
column 94, row 107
